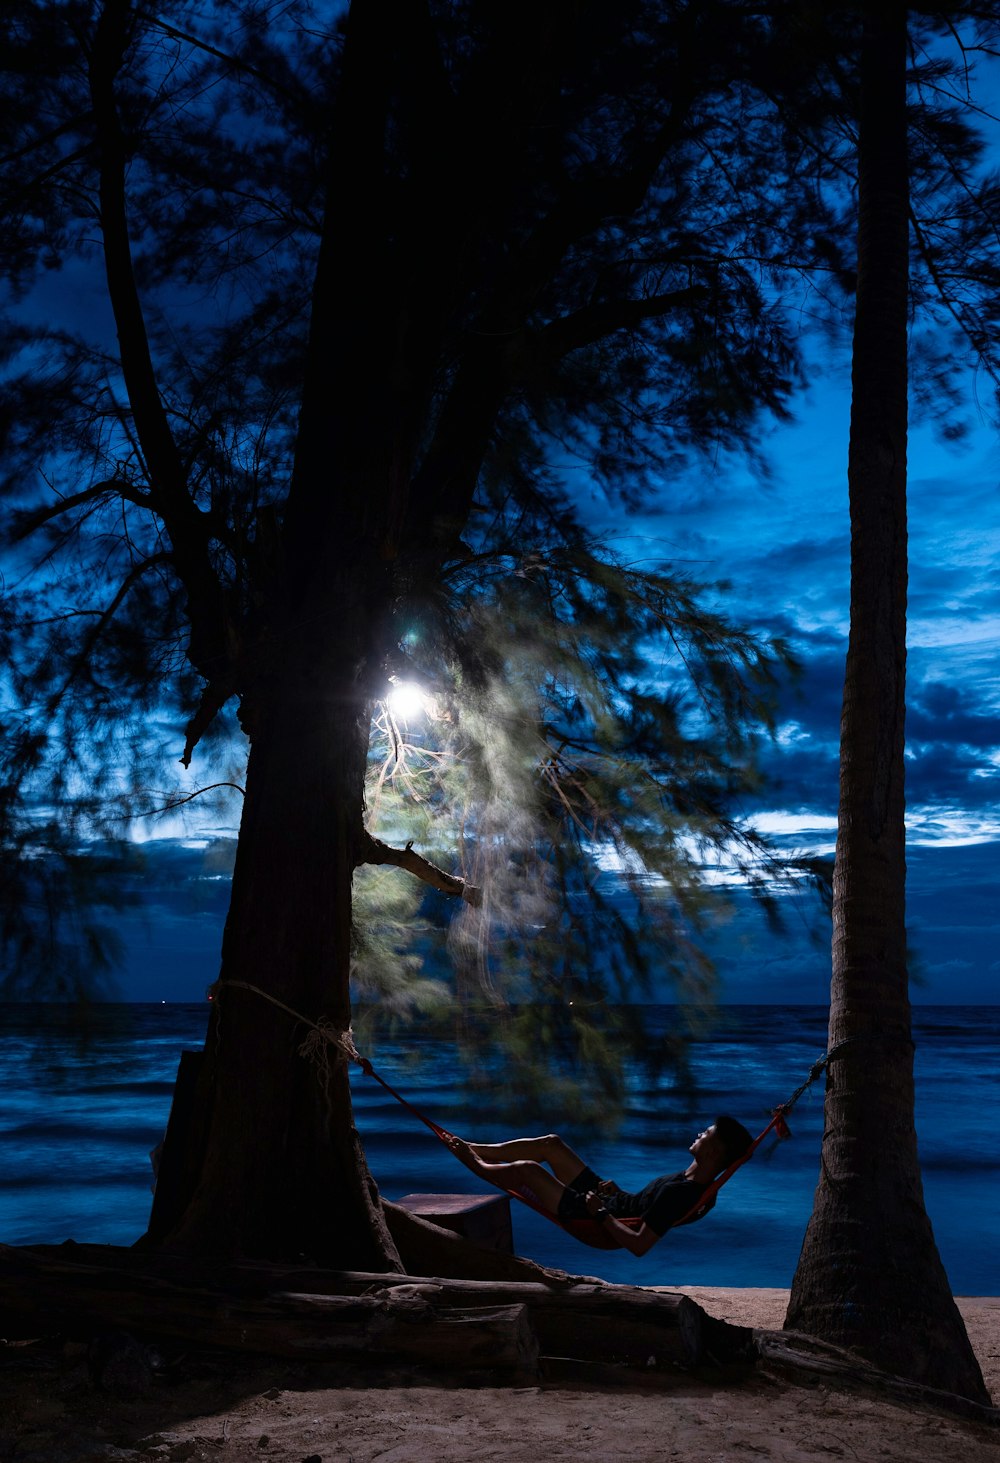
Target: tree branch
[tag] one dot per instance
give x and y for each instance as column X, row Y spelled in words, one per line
column 105, row 618
column 214, row 696
column 213, row 635
column 374, row 851
column 158, row 445
column 238, row 63
column 33, row 519
column 44, row 138
column 978, row 339
column 494, row 355
column 594, row 322
column 178, row 802
column 588, row 202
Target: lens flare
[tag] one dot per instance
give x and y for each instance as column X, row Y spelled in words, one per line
column 407, row 702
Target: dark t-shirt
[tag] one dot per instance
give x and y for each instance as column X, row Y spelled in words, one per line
column 661, row 1203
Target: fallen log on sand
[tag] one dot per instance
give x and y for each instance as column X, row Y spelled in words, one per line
column 40, row 1295
column 456, row 1325
column 308, row 1313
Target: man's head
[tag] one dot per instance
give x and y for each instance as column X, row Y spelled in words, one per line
column 721, row 1144
column 734, row 1138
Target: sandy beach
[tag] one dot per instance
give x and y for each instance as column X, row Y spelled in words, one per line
column 208, row 1406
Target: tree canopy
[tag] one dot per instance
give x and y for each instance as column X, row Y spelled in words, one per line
column 513, row 334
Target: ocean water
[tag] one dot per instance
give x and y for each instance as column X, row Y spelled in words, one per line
column 77, row 1122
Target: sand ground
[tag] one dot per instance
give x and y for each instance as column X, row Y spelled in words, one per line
column 209, row 1407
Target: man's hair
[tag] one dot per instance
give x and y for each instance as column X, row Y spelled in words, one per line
column 734, row 1138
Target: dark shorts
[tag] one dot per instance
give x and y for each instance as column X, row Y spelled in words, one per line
column 573, row 1202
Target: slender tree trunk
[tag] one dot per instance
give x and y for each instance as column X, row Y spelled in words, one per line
column 869, row 1276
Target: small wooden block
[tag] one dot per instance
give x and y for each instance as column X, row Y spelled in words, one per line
column 483, row 1219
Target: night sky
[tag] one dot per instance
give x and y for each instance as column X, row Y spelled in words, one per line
column 783, row 546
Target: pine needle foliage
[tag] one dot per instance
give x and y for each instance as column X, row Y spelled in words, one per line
column 582, row 738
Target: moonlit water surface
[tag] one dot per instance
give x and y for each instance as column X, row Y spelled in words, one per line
column 77, row 1123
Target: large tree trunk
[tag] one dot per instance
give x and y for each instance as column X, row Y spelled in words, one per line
column 283, row 1172
column 279, row 1169
column 869, row 1276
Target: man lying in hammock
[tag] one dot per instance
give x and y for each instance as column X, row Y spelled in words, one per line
column 573, row 1191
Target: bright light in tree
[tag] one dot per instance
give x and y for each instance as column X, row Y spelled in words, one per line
column 407, row 701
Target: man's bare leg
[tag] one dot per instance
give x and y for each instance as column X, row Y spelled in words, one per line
column 518, row 1173
column 548, row 1148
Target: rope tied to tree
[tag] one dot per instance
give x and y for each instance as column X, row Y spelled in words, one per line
column 322, row 1034
column 815, row 1071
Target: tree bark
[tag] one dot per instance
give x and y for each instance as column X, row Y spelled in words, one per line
column 869, row 1276
column 281, row 1171
column 807, row 1361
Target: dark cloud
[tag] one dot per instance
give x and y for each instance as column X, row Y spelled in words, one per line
column 952, row 729
column 946, row 776
column 939, row 712
column 812, row 699
column 828, row 558
column 801, row 779
column 951, row 921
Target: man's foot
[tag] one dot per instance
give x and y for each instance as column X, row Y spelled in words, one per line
column 466, row 1153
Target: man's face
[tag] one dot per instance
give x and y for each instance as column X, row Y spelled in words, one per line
column 707, row 1146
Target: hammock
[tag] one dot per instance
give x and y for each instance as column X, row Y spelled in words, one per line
column 591, row 1231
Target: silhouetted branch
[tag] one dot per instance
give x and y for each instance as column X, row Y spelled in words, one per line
column 172, row 803
column 188, row 527
column 217, row 692
column 374, row 851
column 106, row 616
column 30, row 522
column 595, row 322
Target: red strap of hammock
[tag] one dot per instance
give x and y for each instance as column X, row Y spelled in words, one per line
column 435, row 1128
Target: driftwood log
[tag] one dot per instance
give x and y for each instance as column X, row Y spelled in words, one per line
column 294, row 1311
column 457, row 1325
column 41, row 1296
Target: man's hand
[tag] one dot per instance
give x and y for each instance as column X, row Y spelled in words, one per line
column 607, row 1187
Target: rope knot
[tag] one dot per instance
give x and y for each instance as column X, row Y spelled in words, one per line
column 781, row 1128
column 322, row 1035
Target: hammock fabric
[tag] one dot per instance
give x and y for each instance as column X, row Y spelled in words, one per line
column 591, row 1231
